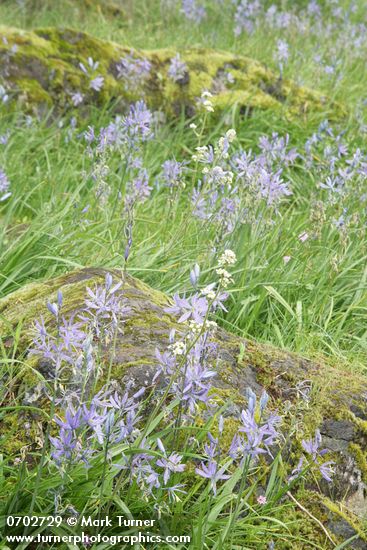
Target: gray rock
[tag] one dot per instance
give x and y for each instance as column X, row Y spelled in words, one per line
column 288, row 378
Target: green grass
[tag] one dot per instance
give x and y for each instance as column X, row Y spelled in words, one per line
column 323, row 287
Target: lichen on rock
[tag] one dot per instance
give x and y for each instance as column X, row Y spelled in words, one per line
column 321, row 396
column 41, row 68
column 336, row 404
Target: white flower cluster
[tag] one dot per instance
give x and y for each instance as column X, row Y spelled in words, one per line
column 231, row 135
column 224, row 277
column 211, row 325
column 224, row 141
column 202, row 154
column 228, row 258
column 213, row 170
column 195, row 327
column 219, row 176
column 178, row 348
column 209, row 292
column 205, row 101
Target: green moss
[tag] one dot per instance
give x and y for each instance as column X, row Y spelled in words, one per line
column 256, row 356
column 12, row 438
column 34, row 91
column 19, row 431
column 361, row 459
column 342, row 513
column 30, row 301
column 360, row 424
column 230, row 429
column 51, row 57
column 119, row 369
column 223, row 396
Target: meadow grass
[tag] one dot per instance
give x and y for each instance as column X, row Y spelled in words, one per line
column 39, row 239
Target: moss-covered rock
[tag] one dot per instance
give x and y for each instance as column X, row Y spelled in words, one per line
column 318, row 394
column 41, row 68
column 105, row 8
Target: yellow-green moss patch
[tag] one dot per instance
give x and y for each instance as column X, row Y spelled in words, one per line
column 45, row 69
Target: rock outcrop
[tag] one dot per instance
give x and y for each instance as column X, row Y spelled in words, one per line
column 41, row 69
column 316, row 394
column 105, row 8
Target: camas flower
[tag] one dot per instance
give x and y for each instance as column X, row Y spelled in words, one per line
column 73, row 419
column 4, row 96
column 172, row 174
column 4, row 138
column 194, row 275
column 96, row 83
column 66, row 447
column 137, row 125
column 259, row 434
column 171, row 464
column 282, row 53
column 150, row 477
column 196, row 380
column 58, row 350
column 327, row 471
column 138, row 189
column 312, row 446
column 275, row 152
column 90, row 67
column 193, row 11
column 213, row 472
column 133, row 70
column 89, row 134
column 192, row 375
column 245, row 16
column 4, row 186
column 173, row 492
column 195, row 307
column 272, row 187
column 212, row 449
column 105, row 308
column 166, row 361
column 177, row 69
column 77, row 99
